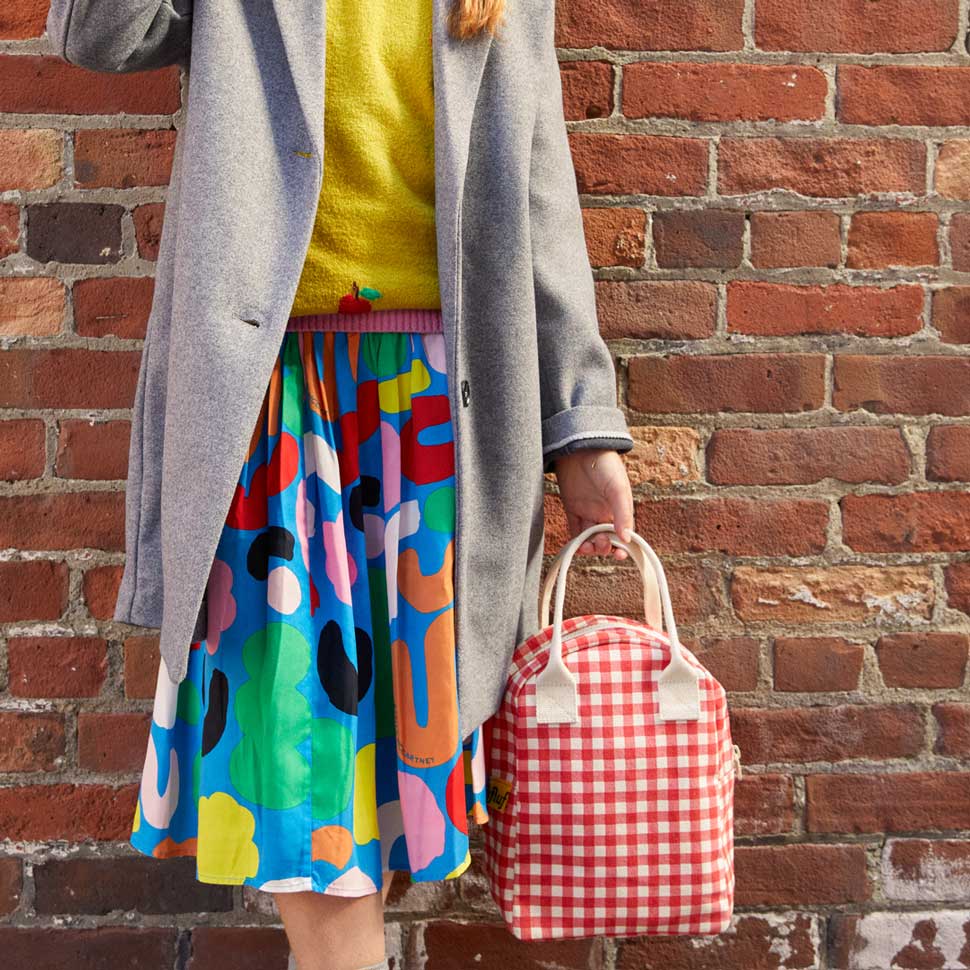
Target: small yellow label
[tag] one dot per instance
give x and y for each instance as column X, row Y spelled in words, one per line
column 498, row 793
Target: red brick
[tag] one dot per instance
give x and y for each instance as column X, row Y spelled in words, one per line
column 920, row 940
column 100, row 587
column 47, row 85
column 587, row 88
column 755, row 941
column 665, row 457
column 813, row 664
column 880, row 240
column 242, row 947
column 71, row 812
column 900, row 94
column 89, row 450
column 34, row 590
column 914, row 522
column 56, row 666
column 734, row 526
column 926, row 869
column 821, row 167
column 662, row 309
column 951, row 314
column 733, row 662
column 950, row 172
column 122, row 158
column 779, row 309
column 698, row 238
column 148, row 221
column 833, row 734
column 888, row 802
column 803, row 456
column 833, row 594
column 113, row 307
column 63, row 520
column 764, row 804
column 639, row 164
column 960, row 241
column 958, row 586
column 796, row 875
column 934, row 660
column 30, row 742
column 30, row 159
column 31, row 306
column 909, row 385
column 723, row 92
column 112, row 742
column 953, row 737
column 9, row 229
column 46, row 948
column 68, row 377
column 708, row 25
column 774, row 383
column 23, row 21
column 21, row 449
column 141, row 667
column 616, row 237
column 850, row 26
column 11, row 884
column 948, row 453
column 783, row 239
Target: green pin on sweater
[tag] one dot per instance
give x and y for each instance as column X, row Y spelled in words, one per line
column 358, row 301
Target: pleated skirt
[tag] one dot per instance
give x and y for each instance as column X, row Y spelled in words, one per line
column 313, row 742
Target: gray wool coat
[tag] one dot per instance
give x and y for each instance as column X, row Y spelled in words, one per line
column 530, row 377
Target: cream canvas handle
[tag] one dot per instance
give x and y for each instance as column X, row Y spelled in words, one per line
column 678, row 690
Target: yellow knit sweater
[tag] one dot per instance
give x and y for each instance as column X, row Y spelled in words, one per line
column 374, row 224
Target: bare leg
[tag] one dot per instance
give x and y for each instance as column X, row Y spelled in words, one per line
column 334, row 932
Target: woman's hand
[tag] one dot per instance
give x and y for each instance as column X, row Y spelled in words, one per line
column 594, row 487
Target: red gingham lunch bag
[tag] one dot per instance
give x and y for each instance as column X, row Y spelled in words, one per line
column 611, row 775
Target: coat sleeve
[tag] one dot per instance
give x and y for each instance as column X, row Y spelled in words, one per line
column 121, row 35
column 576, row 371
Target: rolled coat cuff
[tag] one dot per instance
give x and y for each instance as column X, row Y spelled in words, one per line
column 583, row 426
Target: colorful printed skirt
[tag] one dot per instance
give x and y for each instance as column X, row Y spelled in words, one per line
column 313, row 743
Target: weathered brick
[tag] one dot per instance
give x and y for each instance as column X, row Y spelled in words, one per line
column 63, row 520
column 98, row 887
column 850, row 26
column 803, row 456
column 68, row 377
column 663, row 456
column 21, row 449
column 817, row 664
column 960, row 241
column 141, row 667
column 56, row 666
column 33, row 590
column 112, row 742
column 708, row 25
column 44, row 948
column 113, row 306
column 99, row 585
column 952, row 170
column 958, row 586
column 30, row 742
column 764, row 804
column 880, row 240
column 914, row 522
column 639, row 164
column 932, row 869
column 833, row 594
column 733, row 661
column 123, row 158
column 667, row 310
column 244, row 947
column 927, row 659
column 917, row 940
column 148, row 220
column 9, row 229
column 953, row 721
column 833, row 734
column 779, row 309
column 47, row 85
column 781, row 383
column 30, row 158
column 74, row 232
column 587, row 88
column 24, row 20
column 898, row 94
column 951, row 314
column 821, row 167
column 31, row 306
column 782, row 239
column 616, row 236
column 723, row 92
column 888, row 802
column 698, row 238
column 11, row 884
column 71, row 812
column 909, row 385
column 92, row 450
column 800, row 874
column 734, row 526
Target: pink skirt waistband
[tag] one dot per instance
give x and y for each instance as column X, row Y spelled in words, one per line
column 411, row 321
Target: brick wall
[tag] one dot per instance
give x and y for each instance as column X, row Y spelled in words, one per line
column 777, row 199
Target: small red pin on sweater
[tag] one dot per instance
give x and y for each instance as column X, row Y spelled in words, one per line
column 359, row 300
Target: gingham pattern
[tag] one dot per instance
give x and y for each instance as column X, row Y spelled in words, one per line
column 620, row 824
